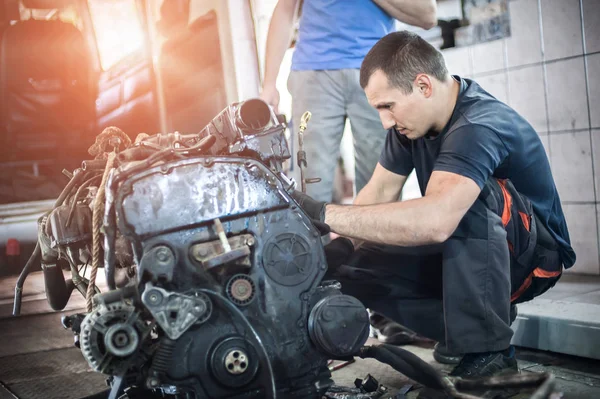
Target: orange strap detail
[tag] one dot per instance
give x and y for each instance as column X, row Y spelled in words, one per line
column 522, row 288
column 507, row 203
column 545, row 273
column 537, row 272
column 525, row 220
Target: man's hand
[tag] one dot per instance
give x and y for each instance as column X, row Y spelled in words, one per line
column 313, row 208
column 270, row 95
column 337, row 252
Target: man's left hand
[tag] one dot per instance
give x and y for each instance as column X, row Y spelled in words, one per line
column 313, row 208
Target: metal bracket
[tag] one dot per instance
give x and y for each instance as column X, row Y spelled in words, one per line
column 174, row 312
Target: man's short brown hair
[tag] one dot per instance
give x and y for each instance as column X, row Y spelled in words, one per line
column 402, row 56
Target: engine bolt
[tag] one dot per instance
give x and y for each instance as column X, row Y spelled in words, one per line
column 163, row 254
column 236, row 362
column 154, row 297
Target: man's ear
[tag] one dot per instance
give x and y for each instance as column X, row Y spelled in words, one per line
column 423, row 84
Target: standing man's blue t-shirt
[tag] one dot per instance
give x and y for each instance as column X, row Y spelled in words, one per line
column 337, row 34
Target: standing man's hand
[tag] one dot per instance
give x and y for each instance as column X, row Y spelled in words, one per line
column 270, row 95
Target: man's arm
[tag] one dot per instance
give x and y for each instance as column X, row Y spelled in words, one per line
column 428, row 220
column 421, row 13
column 279, row 37
column 383, row 187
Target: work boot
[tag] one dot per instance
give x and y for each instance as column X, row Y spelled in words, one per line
column 442, row 355
column 474, row 365
column 389, row 332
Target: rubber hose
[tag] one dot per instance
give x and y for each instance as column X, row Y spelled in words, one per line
column 58, row 291
column 403, row 362
column 35, row 257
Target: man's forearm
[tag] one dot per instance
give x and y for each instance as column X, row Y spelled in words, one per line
column 408, row 223
column 421, row 13
column 370, row 195
column 279, row 37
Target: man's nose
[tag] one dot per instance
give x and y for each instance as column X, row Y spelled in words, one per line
column 386, row 120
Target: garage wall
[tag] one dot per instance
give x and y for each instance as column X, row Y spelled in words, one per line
column 236, row 33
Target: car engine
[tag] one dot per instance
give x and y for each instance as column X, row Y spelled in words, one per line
column 215, row 274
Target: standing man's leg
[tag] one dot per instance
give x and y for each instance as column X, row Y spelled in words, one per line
column 367, row 131
column 323, row 94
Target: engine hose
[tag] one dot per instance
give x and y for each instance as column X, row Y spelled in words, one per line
column 95, row 164
column 77, row 178
column 76, row 197
column 97, row 219
column 406, row 363
column 109, row 242
column 235, row 311
column 35, row 257
column 416, row 369
column 58, row 291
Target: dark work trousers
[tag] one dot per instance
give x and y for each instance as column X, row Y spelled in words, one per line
column 460, row 291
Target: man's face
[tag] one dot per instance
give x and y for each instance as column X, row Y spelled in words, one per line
column 409, row 114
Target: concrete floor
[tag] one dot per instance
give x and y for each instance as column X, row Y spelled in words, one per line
column 38, row 360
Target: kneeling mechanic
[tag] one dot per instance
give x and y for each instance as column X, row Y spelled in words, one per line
column 489, row 231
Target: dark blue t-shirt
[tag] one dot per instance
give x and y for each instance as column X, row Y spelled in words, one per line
column 484, row 138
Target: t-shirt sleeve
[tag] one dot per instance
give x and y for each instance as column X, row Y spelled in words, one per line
column 472, row 151
column 396, row 155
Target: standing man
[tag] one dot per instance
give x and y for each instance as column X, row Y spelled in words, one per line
column 489, row 231
column 334, row 37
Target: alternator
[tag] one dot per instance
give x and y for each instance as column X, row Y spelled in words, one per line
column 111, row 336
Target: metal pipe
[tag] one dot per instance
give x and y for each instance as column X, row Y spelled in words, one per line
column 36, row 255
column 253, row 115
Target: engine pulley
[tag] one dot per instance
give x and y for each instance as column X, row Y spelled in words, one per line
column 241, row 289
column 234, row 362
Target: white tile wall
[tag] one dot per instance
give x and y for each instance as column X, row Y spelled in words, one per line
column 526, row 94
column 488, row 57
column 596, row 160
column 567, row 98
column 561, row 23
column 591, row 22
column 458, row 61
column 593, row 69
column 581, row 221
column 524, row 46
column 571, row 159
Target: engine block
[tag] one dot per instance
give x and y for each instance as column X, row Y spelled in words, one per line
column 224, row 293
